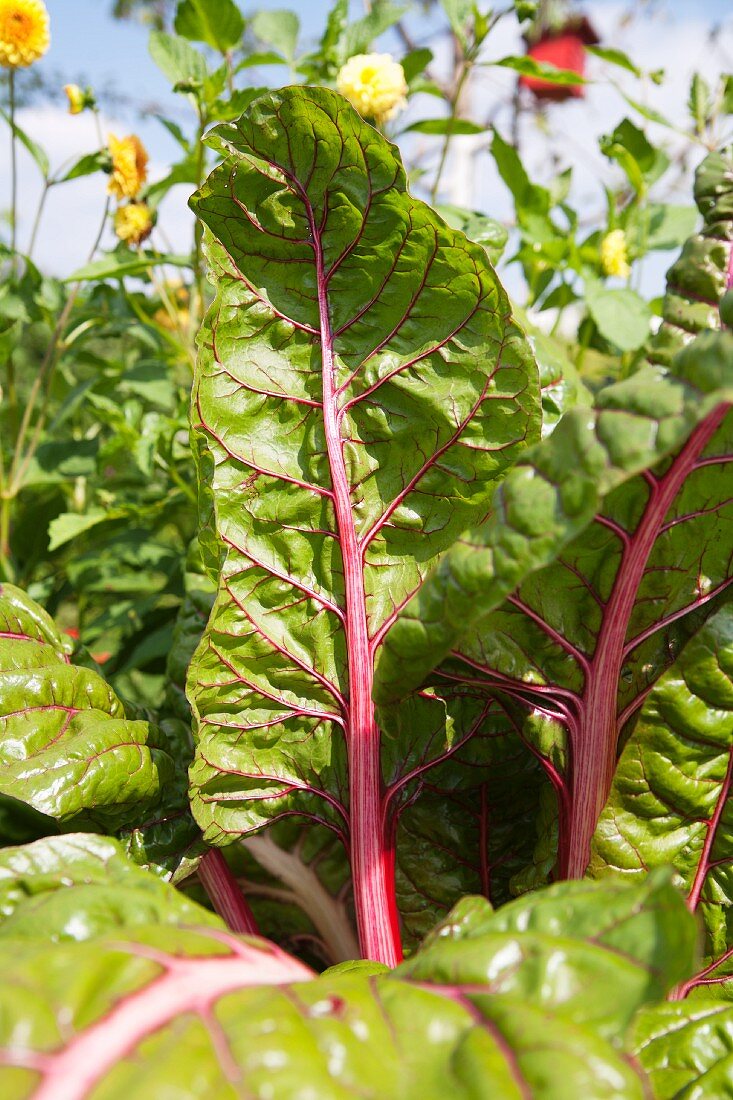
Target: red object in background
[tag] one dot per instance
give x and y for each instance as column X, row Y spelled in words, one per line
column 100, row 658
column 565, row 49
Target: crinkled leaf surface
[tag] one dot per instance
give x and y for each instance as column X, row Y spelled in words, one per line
column 700, row 277
column 636, row 943
column 574, row 596
column 686, row 1048
column 360, row 387
column 466, row 825
column 165, row 839
column 202, row 1013
column 671, row 798
column 80, row 886
column 66, row 746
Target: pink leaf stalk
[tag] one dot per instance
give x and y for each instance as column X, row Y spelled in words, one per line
column 225, row 894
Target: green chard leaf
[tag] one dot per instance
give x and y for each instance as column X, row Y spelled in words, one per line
column 698, row 280
column 361, row 386
column 576, row 594
column 80, row 886
column 685, row 1048
column 66, row 745
column 494, row 1005
column 75, row 757
column 671, row 799
column 218, row 23
column 606, row 548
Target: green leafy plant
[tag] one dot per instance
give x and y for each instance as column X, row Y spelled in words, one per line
column 431, row 701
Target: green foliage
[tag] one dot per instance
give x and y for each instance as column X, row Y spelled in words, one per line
column 488, row 1007
column 528, row 537
column 405, row 295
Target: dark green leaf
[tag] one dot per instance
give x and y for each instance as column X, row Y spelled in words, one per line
column 528, row 66
column 85, row 166
column 180, row 62
column 115, row 265
column 36, row 151
column 444, row 126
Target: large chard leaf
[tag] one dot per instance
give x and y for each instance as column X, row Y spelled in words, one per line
column 574, row 596
column 360, row 387
column 671, row 802
column 66, row 746
column 75, row 757
column 686, row 1049
column 494, row 1005
column 704, row 272
column 79, row 886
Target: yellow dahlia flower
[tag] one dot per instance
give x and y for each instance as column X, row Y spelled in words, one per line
column 614, row 257
column 129, row 166
column 24, row 32
column 76, row 97
column 134, row 222
column 374, row 83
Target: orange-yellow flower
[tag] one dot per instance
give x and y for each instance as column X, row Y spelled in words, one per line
column 129, row 166
column 134, row 222
column 76, row 97
column 374, row 83
column 24, row 32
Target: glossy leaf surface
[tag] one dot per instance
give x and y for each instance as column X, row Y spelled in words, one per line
column 203, row 1013
column 573, row 597
column 671, row 798
column 360, row 387
column 685, row 1049
column 80, row 886
column 66, row 746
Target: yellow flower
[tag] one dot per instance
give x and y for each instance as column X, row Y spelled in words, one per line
column 24, row 32
column 614, row 258
column 134, row 222
column 76, row 97
column 374, row 83
column 129, row 166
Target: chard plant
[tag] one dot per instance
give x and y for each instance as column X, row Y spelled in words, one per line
column 445, row 734
column 608, row 545
column 361, row 386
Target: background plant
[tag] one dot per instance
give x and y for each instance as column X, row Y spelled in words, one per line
column 332, row 510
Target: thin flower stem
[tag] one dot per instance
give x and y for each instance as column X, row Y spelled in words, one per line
column 13, row 166
column 47, row 185
column 10, row 367
column 6, row 565
column 454, row 102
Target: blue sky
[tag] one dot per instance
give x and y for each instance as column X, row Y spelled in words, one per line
column 86, row 42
